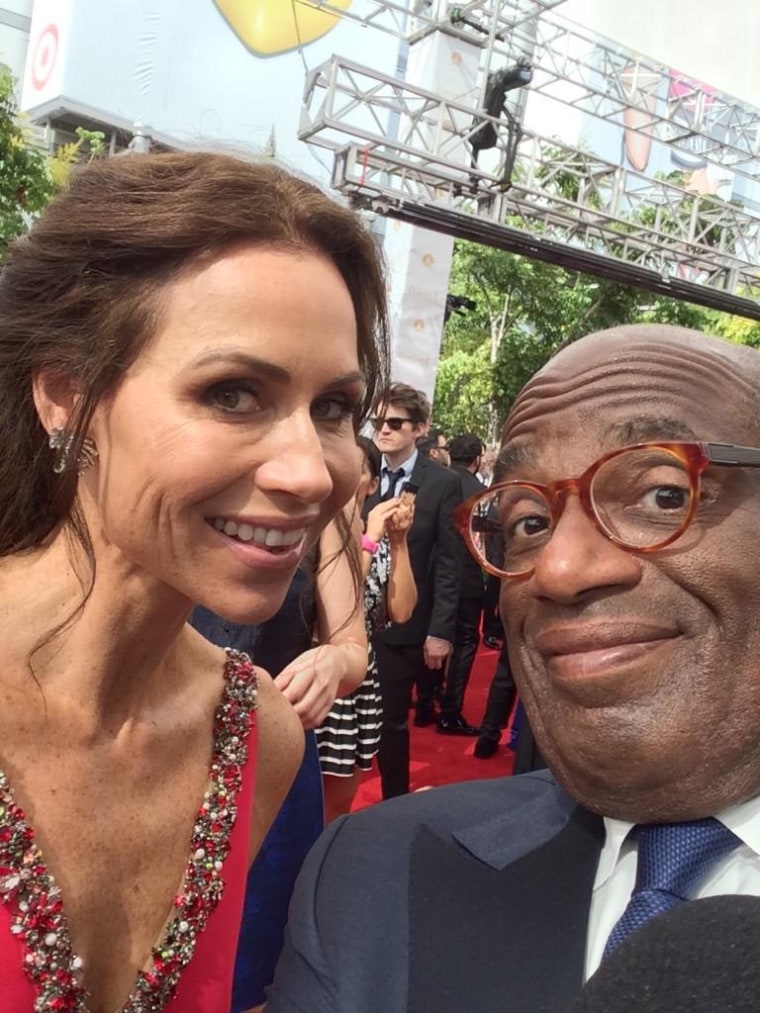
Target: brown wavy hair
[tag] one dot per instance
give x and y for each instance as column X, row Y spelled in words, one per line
column 81, row 295
column 414, row 402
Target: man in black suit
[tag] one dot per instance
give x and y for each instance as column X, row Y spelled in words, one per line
column 435, row 446
column 412, row 652
column 466, row 452
column 628, row 493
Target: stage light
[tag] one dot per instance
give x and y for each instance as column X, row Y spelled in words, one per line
column 498, row 83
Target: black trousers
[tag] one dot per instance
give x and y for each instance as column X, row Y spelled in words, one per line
column 428, row 684
column 501, row 697
column 491, row 619
column 466, row 639
column 398, row 667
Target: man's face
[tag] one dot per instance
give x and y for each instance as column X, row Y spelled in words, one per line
column 640, row 673
column 441, row 452
column 397, row 442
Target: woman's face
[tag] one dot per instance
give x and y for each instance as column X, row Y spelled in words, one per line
column 229, row 444
column 367, row 483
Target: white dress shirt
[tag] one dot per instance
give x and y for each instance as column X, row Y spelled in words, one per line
column 407, row 465
column 738, row 872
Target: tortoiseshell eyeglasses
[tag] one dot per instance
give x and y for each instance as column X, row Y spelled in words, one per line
column 641, row 497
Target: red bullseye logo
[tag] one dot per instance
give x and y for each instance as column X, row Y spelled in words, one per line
column 43, row 58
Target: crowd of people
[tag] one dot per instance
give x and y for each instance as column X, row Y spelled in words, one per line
column 220, row 601
column 426, row 663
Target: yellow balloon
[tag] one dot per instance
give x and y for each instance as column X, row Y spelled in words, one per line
column 269, row 27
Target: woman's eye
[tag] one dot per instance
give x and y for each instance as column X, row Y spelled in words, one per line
column 233, row 397
column 333, row 409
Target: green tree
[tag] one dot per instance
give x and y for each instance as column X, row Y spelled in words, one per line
column 464, row 392
column 740, row 330
column 29, row 177
column 524, row 311
column 25, row 182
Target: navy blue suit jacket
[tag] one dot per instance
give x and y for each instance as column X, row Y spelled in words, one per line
column 473, row 898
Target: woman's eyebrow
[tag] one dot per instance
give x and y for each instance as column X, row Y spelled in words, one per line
column 355, row 376
column 236, row 357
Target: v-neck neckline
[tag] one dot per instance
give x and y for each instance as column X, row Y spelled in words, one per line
column 36, row 904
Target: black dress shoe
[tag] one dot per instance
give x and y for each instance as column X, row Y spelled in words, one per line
column 423, row 720
column 486, row 748
column 492, row 643
column 455, row 726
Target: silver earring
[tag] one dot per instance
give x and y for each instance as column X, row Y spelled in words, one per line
column 60, row 441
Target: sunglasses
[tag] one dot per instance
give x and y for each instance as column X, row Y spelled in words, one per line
column 392, row 423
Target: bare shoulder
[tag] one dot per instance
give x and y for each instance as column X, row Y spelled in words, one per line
column 280, row 730
column 279, row 740
column 280, row 746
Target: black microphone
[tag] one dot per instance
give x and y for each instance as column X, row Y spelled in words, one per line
column 702, row 956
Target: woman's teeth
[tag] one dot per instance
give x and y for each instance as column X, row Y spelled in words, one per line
column 271, row 538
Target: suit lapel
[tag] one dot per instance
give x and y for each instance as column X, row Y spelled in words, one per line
column 416, row 478
column 418, row 470
column 494, row 939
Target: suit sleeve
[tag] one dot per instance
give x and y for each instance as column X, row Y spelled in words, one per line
column 303, row 981
column 350, row 899
column 446, row 574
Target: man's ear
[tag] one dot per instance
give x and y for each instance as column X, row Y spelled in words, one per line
column 55, row 397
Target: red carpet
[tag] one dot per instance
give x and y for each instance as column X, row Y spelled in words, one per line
column 443, row 759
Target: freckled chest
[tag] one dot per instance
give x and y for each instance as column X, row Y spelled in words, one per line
column 113, row 823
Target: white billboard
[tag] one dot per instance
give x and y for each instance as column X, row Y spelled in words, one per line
column 223, row 73
column 232, row 72
column 706, row 40
column 194, row 71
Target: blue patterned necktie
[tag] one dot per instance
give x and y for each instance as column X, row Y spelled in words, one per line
column 673, row 859
column 394, row 477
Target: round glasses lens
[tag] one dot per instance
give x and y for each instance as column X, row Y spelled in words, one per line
column 510, row 527
column 643, row 497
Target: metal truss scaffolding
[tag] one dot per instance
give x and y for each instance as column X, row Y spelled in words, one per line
column 405, row 152
column 412, row 19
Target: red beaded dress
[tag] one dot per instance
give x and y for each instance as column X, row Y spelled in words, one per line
column 191, row 967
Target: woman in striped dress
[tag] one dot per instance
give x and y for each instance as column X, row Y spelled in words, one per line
column 349, row 737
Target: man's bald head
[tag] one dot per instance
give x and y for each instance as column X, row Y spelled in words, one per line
column 623, row 655
column 708, row 366
column 613, row 339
